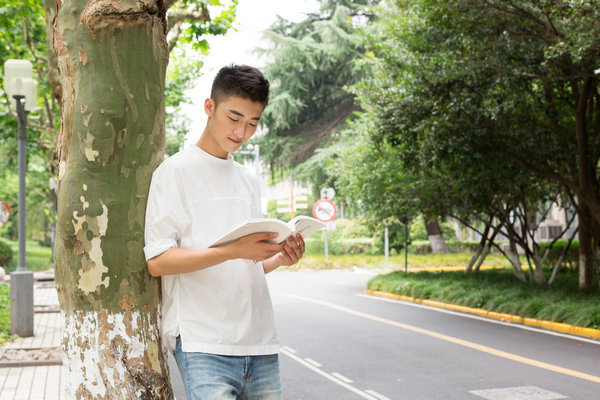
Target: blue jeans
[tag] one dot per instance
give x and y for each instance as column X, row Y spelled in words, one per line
column 215, row 377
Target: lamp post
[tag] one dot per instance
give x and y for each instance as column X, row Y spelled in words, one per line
column 253, row 150
column 19, row 85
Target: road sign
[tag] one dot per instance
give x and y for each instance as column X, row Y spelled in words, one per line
column 327, row 193
column 292, row 204
column 4, row 212
column 324, row 210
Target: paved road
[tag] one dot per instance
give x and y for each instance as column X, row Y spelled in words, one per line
column 340, row 344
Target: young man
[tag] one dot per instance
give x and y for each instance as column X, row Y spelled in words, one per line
column 217, row 312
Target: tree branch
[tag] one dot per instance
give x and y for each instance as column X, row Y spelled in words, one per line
column 199, row 13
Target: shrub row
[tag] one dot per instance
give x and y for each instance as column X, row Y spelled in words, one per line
column 6, row 253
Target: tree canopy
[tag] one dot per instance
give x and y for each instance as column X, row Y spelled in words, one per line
column 310, row 63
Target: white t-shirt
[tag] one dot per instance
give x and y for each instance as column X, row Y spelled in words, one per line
column 194, row 199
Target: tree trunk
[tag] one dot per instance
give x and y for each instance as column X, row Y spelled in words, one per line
column 515, row 261
column 112, row 59
column 587, row 190
column 436, row 239
column 53, row 74
column 487, row 248
column 588, row 257
column 480, row 249
column 537, row 273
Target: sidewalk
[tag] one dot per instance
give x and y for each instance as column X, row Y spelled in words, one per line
column 24, row 378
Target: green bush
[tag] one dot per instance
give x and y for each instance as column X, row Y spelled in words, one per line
column 315, row 245
column 355, row 246
column 6, row 253
column 420, row 247
column 396, row 233
column 455, row 246
column 571, row 259
column 458, row 246
column 4, row 313
column 418, row 232
column 351, row 236
column 37, row 258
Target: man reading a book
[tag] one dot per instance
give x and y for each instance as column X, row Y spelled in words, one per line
column 216, row 309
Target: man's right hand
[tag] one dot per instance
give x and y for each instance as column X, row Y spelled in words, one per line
column 255, row 246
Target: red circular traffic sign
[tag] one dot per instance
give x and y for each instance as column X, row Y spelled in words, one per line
column 324, row 210
column 4, row 212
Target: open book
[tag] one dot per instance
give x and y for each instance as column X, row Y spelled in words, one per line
column 303, row 225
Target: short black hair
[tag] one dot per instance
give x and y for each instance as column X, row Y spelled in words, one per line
column 240, row 80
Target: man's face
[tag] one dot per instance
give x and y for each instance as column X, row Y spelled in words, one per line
column 230, row 124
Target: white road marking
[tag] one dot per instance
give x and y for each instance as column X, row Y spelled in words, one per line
column 313, row 362
column 342, row 377
column 329, row 376
column 289, row 349
column 377, row 395
column 518, row 393
column 490, row 320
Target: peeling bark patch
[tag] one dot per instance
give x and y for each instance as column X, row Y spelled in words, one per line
column 85, row 204
column 93, row 268
column 83, row 57
column 62, row 166
column 112, row 356
column 126, row 303
column 78, row 249
column 102, row 14
column 90, row 153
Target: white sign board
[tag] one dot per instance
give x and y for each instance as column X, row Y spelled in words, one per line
column 328, row 193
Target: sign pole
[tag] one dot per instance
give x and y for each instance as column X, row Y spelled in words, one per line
column 326, row 249
column 324, row 210
column 406, row 248
column 386, row 243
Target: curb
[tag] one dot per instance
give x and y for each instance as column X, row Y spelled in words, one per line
column 27, row 363
column 31, row 363
column 548, row 325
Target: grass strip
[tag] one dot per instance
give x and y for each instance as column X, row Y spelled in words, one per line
column 4, row 314
column 37, row 257
column 498, row 290
column 317, row 262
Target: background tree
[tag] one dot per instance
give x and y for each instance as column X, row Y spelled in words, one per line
column 462, row 85
column 311, row 64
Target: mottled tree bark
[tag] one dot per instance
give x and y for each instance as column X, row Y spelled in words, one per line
column 436, row 239
column 112, row 57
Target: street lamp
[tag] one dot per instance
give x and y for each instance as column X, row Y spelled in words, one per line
column 253, row 150
column 20, row 87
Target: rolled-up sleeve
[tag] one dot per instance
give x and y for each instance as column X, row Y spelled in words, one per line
column 166, row 214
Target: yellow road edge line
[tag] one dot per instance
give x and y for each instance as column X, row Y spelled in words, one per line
column 461, row 342
column 538, row 323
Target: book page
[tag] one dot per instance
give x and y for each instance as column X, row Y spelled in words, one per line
column 256, row 225
column 305, row 226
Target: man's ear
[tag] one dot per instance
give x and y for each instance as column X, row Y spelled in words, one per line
column 209, row 106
